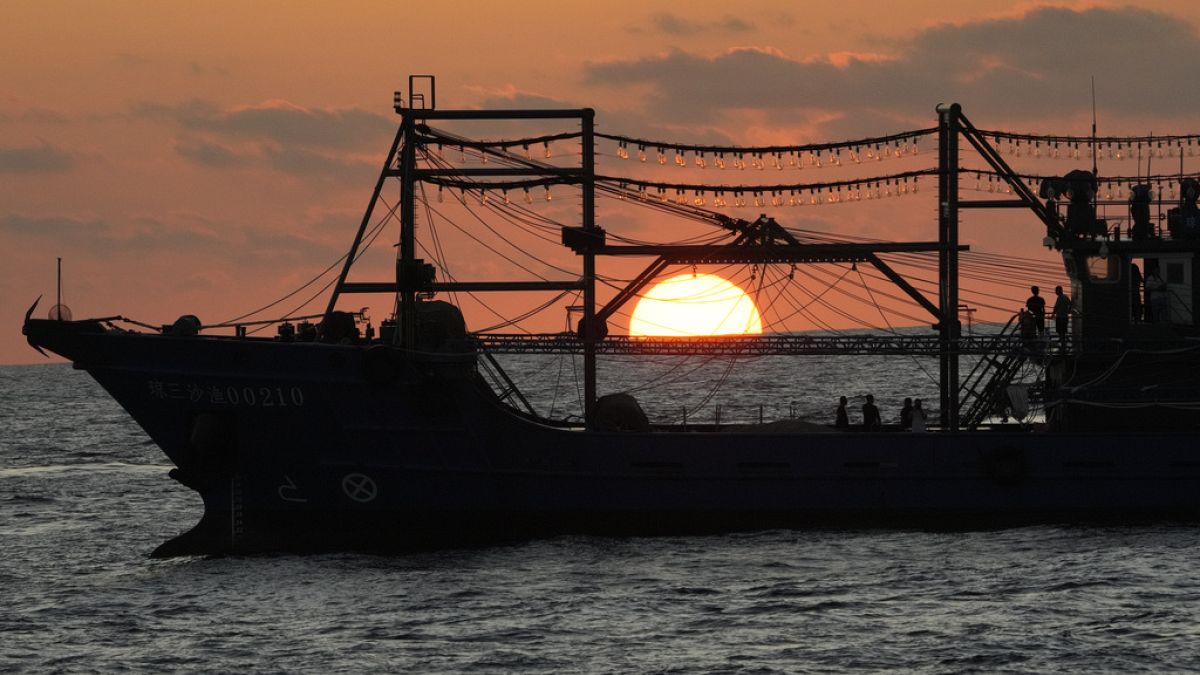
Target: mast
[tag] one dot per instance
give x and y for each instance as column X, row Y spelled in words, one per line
column 948, row 326
column 592, row 328
column 406, row 272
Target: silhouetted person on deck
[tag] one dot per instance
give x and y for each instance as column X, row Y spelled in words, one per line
column 906, row 414
column 1036, row 305
column 1158, row 305
column 918, row 417
column 1135, row 291
column 871, row 419
column 1063, row 307
column 1139, row 213
column 842, row 420
column 1027, row 329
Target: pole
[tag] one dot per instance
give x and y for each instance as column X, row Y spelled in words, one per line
column 949, row 330
column 362, row 226
column 591, row 325
column 58, row 292
column 406, row 271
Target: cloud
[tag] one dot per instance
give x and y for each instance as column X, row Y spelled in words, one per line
column 44, row 226
column 199, row 69
column 673, row 24
column 44, row 158
column 200, row 241
column 321, row 143
column 277, row 121
column 1023, row 67
column 209, row 154
column 43, row 116
column 302, row 162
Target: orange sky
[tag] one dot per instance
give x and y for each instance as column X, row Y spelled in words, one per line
column 209, row 158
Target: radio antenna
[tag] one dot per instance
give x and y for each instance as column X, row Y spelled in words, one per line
column 1095, row 170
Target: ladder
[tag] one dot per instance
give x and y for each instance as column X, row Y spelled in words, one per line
column 985, row 385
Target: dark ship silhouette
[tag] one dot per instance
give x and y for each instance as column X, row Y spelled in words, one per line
column 321, row 437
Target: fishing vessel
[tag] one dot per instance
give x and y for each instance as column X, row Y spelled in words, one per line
column 330, row 434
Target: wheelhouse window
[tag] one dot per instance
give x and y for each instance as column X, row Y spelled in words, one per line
column 1104, row 268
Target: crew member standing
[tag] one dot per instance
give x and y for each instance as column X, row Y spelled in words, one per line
column 871, row 419
column 842, row 419
column 1036, row 305
column 918, row 417
column 906, row 414
column 1062, row 314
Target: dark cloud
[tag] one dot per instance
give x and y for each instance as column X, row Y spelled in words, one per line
column 673, row 24
column 608, row 121
column 44, row 226
column 43, row 158
column 209, row 154
column 278, row 122
column 1019, row 68
column 237, row 244
column 302, row 162
column 199, row 69
column 43, row 116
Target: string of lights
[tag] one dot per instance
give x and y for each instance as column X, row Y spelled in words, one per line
column 778, row 156
column 441, row 140
column 1108, row 187
column 698, row 194
column 1053, row 146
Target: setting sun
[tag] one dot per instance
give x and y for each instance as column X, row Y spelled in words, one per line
column 688, row 304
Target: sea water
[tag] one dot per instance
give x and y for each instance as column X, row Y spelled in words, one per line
column 84, row 498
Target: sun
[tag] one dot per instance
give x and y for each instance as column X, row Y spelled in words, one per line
column 703, row 304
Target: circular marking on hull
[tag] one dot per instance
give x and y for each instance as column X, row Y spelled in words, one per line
column 359, row 487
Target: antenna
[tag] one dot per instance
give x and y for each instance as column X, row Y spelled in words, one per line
column 59, row 312
column 1095, row 170
column 1149, row 154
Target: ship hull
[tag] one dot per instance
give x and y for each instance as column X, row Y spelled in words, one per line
column 306, row 446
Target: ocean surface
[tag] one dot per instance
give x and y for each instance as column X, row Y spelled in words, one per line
column 84, row 498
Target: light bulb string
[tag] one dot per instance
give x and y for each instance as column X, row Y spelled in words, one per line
column 767, row 150
column 1172, row 178
column 1082, row 141
column 625, row 182
column 433, row 136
